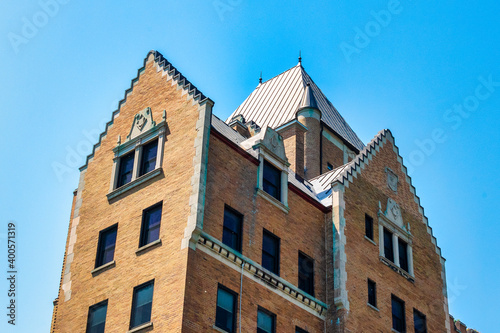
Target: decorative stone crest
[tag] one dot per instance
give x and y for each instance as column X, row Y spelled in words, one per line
column 143, row 121
column 393, row 213
column 392, row 180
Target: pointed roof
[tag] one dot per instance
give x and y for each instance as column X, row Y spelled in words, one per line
column 308, row 101
column 275, row 102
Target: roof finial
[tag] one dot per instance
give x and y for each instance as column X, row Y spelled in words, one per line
column 260, row 78
column 300, row 56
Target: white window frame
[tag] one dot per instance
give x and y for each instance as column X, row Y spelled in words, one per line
column 397, row 233
column 136, row 145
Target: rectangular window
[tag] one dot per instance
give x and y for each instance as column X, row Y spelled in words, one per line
column 225, row 316
column 151, row 219
column 148, row 159
column 266, row 321
column 106, row 246
column 388, row 249
column 372, row 293
column 272, row 180
column 271, row 252
column 398, row 314
column 97, row 317
column 125, row 170
column 329, row 166
column 403, row 254
column 142, row 303
column 299, row 330
column 419, row 321
column 306, row 274
column 231, row 233
column 369, row 226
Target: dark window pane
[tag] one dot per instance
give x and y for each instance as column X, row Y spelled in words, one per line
column 306, row 274
column 125, row 170
column 272, row 180
column 231, row 234
column 151, row 221
column 372, row 293
column 97, row 318
column 142, row 304
column 106, row 246
column 369, row 226
column 300, row 330
column 225, row 316
column 270, row 252
column 329, row 166
column 265, row 322
column 148, row 160
column 403, row 255
column 398, row 315
column 388, row 249
column 420, row 322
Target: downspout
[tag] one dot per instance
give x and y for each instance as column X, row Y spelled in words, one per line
column 326, row 268
column 321, row 149
column 241, row 294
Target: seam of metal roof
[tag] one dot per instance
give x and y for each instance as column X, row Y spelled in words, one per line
column 275, row 102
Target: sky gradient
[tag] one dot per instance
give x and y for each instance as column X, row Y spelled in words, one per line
column 427, row 70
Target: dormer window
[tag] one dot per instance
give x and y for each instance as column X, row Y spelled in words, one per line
column 272, row 180
column 139, row 158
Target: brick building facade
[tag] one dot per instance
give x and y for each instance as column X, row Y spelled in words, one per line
column 278, row 220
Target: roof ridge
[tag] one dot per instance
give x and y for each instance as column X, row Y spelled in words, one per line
column 289, row 69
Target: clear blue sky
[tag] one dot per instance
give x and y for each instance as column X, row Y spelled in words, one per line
column 410, row 74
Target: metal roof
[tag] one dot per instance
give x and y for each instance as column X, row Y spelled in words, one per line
column 275, row 102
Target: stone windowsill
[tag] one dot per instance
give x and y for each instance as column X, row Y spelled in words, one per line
column 371, row 241
column 273, row 200
column 102, row 268
column 373, row 307
column 136, row 182
column 397, row 269
column 218, row 329
column 141, row 327
column 148, row 246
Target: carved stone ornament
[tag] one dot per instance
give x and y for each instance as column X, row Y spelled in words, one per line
column 392, row 180
column 393, row 213
column 143, row 121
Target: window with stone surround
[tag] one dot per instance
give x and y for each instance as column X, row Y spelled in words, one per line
column 96, row 320
column 151, row 221
column 142, row 304
column 139, row 157
column 106, row 246
column 396, row 241
column 225, row 316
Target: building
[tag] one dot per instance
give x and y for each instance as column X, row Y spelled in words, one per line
column 278, row 220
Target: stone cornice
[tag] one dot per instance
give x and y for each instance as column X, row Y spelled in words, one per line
column 271, row 280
